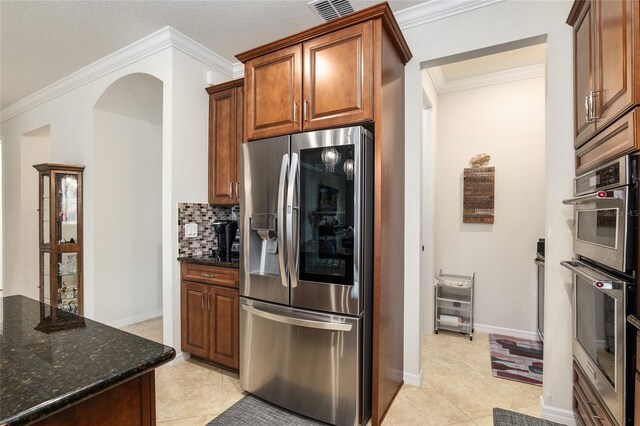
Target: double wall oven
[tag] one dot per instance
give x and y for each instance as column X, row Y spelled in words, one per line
column 604, row 270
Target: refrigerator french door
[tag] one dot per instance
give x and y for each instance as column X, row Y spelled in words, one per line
column 305, row 273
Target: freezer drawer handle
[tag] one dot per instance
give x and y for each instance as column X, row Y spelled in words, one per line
column 334, row 326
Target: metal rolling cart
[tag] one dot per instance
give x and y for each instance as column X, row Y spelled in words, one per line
column 454, row 303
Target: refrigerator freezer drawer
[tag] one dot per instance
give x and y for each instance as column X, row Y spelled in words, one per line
column 306, row 362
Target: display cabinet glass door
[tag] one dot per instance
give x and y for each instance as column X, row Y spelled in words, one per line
column 327, row 214
column 60, row 230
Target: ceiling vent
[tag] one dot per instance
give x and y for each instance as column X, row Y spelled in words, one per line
column 329, row 10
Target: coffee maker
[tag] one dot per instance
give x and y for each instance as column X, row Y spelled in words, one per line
column 225, row 233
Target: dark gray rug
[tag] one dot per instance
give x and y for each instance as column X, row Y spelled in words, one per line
column 250, row 411
column 509, row 418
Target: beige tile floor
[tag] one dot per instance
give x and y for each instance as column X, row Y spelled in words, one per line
column 457, row 386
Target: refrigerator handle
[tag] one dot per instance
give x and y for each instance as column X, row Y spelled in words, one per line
column 291, row 246
column 281, row 221
column 333, row 326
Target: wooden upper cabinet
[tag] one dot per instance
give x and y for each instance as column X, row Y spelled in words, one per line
column 607, row 72
column 226, row 133
column 614, row 63
column 273, row 93
column 338, row 78
column 583, row 74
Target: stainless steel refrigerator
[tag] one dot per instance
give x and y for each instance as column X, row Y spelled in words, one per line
column 306, row 272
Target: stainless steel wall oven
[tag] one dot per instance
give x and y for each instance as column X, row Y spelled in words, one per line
column 604, row 272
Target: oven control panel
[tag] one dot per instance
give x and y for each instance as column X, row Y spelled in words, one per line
column 610, row 175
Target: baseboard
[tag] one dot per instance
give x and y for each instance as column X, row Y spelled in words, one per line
column 136, row 319
column 180, row 357
column 555, row 414
column 483, row 328
column 412, row 379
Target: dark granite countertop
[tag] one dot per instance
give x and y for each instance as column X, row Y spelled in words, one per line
column 634, row 321
column 47, row 366
column 208, row 260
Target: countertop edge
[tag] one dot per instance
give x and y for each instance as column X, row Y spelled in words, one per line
column 204, row 260
column 43, row 410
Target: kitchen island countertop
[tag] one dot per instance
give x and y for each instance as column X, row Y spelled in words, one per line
column 43, row 371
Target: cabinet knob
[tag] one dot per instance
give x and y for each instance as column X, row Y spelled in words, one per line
column 207, row 275
column 209, row 301
column 230, row 189
column 304, row 110
column 295, row 112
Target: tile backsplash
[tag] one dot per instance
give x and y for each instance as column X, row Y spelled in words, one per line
column 204, row 215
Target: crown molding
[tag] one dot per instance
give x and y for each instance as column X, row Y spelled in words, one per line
column 238, row 69
column 442, row 86
column 434, row 10
column 147, row 46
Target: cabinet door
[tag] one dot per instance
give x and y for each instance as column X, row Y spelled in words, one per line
column 338, row 77
column 583, row 51
column 222, row 147
column 225, row 340
column 614, row 60
column 273, row 87
column 637, row 398
column 239, row 137
column 195, row 318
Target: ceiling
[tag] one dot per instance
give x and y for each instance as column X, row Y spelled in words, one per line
column 510, row 65
column 44, row 41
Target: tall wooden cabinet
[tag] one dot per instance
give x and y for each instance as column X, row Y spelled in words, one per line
column 323, row 82
column 347, row 72
column 210, row 305
column 226, row 133
column 60, row 230
column 606, row 63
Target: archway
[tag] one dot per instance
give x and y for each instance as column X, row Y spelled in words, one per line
column 128, row 201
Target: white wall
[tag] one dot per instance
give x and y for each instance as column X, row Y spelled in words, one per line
column 70, row 114
column 33, row 150
column 1, row 226
column 128, row 217
column 505, row 121
column 492, row 25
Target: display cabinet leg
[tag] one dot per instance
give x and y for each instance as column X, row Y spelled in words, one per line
column 436, row 331
column 471, row 338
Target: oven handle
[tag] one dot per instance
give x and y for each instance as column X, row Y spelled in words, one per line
column 600, row 284
column 609, row 195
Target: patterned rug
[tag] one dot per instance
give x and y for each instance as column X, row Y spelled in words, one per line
column 514, row 358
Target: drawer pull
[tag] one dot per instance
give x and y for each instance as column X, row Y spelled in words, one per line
column 207, row 275
column 597, row 417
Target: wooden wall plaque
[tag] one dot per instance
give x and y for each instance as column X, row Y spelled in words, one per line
column 479, row 194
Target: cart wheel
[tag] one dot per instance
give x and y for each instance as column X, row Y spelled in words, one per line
column 471, row 338
column 436, row 331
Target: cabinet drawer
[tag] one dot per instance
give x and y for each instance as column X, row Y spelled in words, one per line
column 619, row 139
column 580, row 407
column 227, row 277
column 595, row 410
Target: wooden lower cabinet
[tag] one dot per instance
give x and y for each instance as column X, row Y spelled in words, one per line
column 586, row 404
column 130, row 403
column 636, row 414
column 210, row 322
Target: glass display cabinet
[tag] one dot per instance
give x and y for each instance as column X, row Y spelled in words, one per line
column 60, row 217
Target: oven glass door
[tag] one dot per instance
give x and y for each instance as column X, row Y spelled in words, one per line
column 599, row 227
column 597, row 312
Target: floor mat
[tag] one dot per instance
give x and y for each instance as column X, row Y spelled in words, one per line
column 509, row 418
column 514, row 358
column 251, row 410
